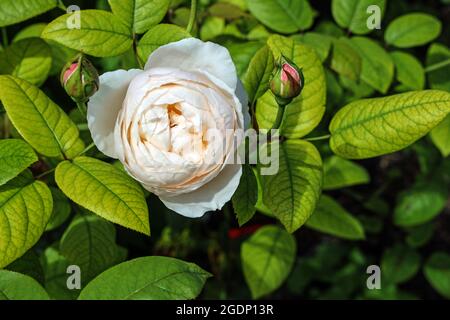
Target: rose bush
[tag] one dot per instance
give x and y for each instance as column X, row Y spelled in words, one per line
column 175, row 125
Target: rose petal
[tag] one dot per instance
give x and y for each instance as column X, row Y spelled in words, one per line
column 104, row 107
column 196, row 56
column 212, row 196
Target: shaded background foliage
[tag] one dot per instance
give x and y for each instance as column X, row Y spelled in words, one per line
column 384, row 199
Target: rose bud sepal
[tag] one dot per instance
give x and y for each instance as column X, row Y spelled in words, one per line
column 80, row 79
column 287, row 81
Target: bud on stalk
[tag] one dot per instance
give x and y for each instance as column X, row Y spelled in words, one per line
column 80, row 79
column 287, row 81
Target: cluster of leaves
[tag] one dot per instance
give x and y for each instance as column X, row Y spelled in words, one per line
column 371, row 92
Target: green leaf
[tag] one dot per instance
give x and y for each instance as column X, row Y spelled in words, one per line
column 25, row 208
column 352, row 14
column 372, row 127
column 55, row 272
column 28, row 59
column 377, row 66
column 101, row 33
column 15, row 156
column 60, row 55
column 355, row 89
column 329, row 28
column 228, row 10
column 320, row 42
column 212, row 27
column 292, row 193
column 257, row 77
column 267, row 259
column 140, row 15
column 39, row 120
column 420, row 235
column 437, row 272
column 412, row 30
column 335, row 91
column 283, row 16
column 16, row 286
column 61, row 209
column 14, row 11
column 148, row 278
column 441, row 136
column 260, row 206
column 330, row 217
column 104, row 190
column 246, row 195
column 90, row 243
column 305, row 112
column 31, row 31
column 399, row 264
column 438, row 55
column 409, row 70
column 160, row 35
column 345, row 60
column 420, row 204
column 242, row 54
column 341, row 173
column 29, row 265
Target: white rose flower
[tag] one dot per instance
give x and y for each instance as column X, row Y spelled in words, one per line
column 176, row 125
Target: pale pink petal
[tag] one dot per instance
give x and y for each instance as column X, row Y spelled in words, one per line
column 104, row 107
column 212, row 196
column 195, row 55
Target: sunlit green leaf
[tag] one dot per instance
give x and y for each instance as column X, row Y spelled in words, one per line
column 441, row 136
column 292, row 193
column 104, row 190
column 101, row 34
column 14, row 11
column 372, row 127
column 305, row 112
column 39, row 120
column 267, row 259
column 148, row 278
column 25, row 208
column 16, row 286
column 256, row 79
column 140, row 15
column 15, row 156
column 27, row 59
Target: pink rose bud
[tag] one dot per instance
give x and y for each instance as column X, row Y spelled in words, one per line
column 80, row 79
column 287, row 81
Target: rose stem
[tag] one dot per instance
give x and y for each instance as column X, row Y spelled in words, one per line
column 82, row 107
column 327, row 136
column 192, row 16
